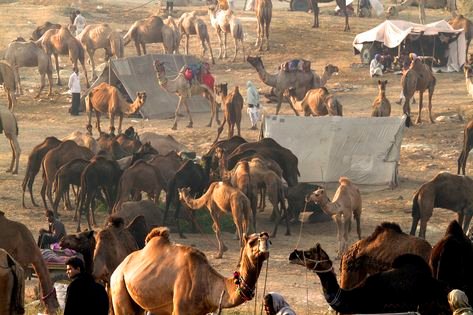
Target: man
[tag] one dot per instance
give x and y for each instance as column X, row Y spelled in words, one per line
column 169, row 6
column 274, row 304
column 376, row 67
column 84, row 295
column 252, row 99
column 459, row 303
column 53, row 234
column 74, row 86
column 79, row 22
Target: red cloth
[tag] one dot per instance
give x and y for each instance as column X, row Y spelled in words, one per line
column 208, row 80
column 188, row 74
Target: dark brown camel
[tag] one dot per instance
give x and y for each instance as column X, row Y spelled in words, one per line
column 264, row 13
column 343, row 8
column 466, row 148
column 232, row 104
column 40, row 30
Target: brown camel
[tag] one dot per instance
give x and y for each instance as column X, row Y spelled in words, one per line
column 105, row 98
column 12, row 285
column 167, row 165
column 181, row 87
column 18, row 241
column 163, row 144
column 28, row 54
column 190, row 24
column 62, row 42
column 171, row 36
column 264, row 13
column 467, row 146
column 225, row 21
column 7, row 79
column 461, row 22
column 84, row 243
column 445, row 190
column 232, row 105
column 221, row 198
column 343, row 9
column 40, row 30
column 381, row 105
column 419, row 77
column 9, row 127
column 346, row 202
column 146, row 31
column 98, row 36
column 129, row 210
column 313, row 103
column 158, row 278
column 376, row 253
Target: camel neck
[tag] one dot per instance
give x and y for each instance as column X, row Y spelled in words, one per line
column 332, row 290
column 268, row 79
column 327, row 206
column 48, row 294
column 325, row 77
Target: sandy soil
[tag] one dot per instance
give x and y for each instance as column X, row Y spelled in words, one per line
column 427, row 149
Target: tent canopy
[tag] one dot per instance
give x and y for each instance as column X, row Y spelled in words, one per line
column 366, row 150
column 137, row 73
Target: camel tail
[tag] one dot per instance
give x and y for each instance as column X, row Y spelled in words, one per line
column 161, row 231
column 239, row 31
column 415, row 205
column 344, row 181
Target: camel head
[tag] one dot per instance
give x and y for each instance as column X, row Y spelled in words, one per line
column 331, row 69
column 382, row 85
column 81, row 242
column 315, row 259
column 146, row 148
column 318, row 196
column 138, row 103
column 256, row 248
column 221, row 89
column 255, row 61
column 468, row 71
column 184, row 193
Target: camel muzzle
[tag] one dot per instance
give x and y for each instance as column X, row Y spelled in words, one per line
column 264, row 243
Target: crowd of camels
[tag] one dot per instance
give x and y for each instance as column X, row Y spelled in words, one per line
column 133, row 254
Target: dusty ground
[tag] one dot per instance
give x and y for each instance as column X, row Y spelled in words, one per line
column 427, row 149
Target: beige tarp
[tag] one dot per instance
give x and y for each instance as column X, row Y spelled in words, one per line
column 366, row 150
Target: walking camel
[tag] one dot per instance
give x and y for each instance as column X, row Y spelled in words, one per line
column 7, row 79
column 264, row 13
column 168, row 278
column 190, row 24
column 9, row 126
column 62, row 42
column 180, row 86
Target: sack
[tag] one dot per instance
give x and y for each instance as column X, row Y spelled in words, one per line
column 188, row 74
column 208, row 80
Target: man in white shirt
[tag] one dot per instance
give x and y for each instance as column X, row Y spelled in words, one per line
column 376, row 67
column 74, row 86
column 252, row 99
column 79, row 23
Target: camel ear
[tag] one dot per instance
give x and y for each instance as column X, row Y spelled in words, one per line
column 379, row 81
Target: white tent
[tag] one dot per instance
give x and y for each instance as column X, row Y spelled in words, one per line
column 392, row 32
column 366, row 150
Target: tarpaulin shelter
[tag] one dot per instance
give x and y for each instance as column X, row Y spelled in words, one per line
column 366, row 150
column 137, row 73
column 392, row 33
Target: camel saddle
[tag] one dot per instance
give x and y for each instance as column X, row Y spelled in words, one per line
column 295, row 65
column 199, row 72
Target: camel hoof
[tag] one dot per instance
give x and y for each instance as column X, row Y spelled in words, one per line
column 225, row 248
column 209, row 125
column 219, row 256
column 174, row 127
column 190, row 125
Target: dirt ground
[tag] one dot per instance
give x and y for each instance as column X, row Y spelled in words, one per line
column 427, row 148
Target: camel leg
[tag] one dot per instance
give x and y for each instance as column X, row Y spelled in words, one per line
column 267, row 34
column 357, row 216
column 191, row 123
column 460, row 217
column 406, row 109
column 138, row 48
column 220, row 128
column 89, row 123
column 187, row 44
column 174, row 126
column 225, row 45
column 213, row 107
column 82, row 62
column 238, row 128
column 236, row 49
column 56, row 58
column 91, row 53
column 41, row 87
column 43, row 192
column 30, row 189
column 50, row 81
column 10, row 99
column 431, row 93
column 339, row 223
column 278, row 107
column 97, row 116
column 242, row 49
column 277, row 218
column 259, row 36
column 120, row 120
column 143, row 45
column 423, row 227
column 460, row 162
column 219, row 35
column 210, row 50
column 419, row 115
column 216, row 227
column 347, row 25
column 16, row 73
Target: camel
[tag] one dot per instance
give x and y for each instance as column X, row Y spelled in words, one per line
column 171, row 36
column 343, row 8
column 224, row 21
column 8, row 80
column 408, row 286
column 84, row 140
column 34, row 164
column 264, row 13
column 313, row 103
column 346, row 202
column 28, row 54
column 157, row 278
column 190, row 24
column 184, row 90
column 105, row 98
column 232, row 105
column 145, row 31
column 12, row 285
column 381, row 105
column 466, row 148
column 221, row 198
column 18, row 241
column 376, row 253
column 163, row 144
column 419, row 77
column 62, row 42
column 129, row 210
column 461, row 22
column 445, row 190
column 97, row 36
column 9, row 127
column 46, row 26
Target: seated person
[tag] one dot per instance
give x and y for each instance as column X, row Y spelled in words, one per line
column 459, row 303
column 274, row 304
column 387, row 61
column 376, row 67
column 53, row 234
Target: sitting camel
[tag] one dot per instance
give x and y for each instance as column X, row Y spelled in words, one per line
column 466, row 148
column 232, row 105
column 9, row 126
column 220, row 198
column 317, row 102
column 105, row 98
column 224, row 21
column 408, row 286
column 346, row 202
column 12, row 288
column 162, row 266
column 381, row 105
column 190, row 24
column 419, row 77
column 181, row 87
column 8, row 81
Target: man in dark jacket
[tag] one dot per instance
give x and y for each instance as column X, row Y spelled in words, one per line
column 55, row 232
column 84, row 295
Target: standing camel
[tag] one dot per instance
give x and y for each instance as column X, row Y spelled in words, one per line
column 62, row 42
column 461, row 22
column 190, row 24
column 97, row 36
column 46, row 26
column 346, row 202
column 12, row 285
column 105, row 98
column 264, row 13
column 9, row 126
column 7, row 79
column 28, row 54
column 224, row 21
column 232, row 104
column 183, row 89
column 171, row 36
column 343, row 8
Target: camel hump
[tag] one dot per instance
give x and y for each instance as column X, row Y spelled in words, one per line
column 411, row 260
column 344, row 181
column 385, row 226
column 116, row 221
column 161, row 231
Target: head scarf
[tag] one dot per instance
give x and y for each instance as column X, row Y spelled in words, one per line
column 377, row 56
column 412, row 56
column 459, row 302
column 250, row 84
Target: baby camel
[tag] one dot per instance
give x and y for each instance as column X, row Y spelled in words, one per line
column 381, row 105
column 347, row 200
column 221, row 198
column 232, row 104
column 316, row 102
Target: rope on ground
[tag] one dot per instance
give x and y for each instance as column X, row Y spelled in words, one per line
column 141, row 5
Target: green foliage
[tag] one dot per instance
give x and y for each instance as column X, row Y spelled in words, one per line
column 204, row 223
